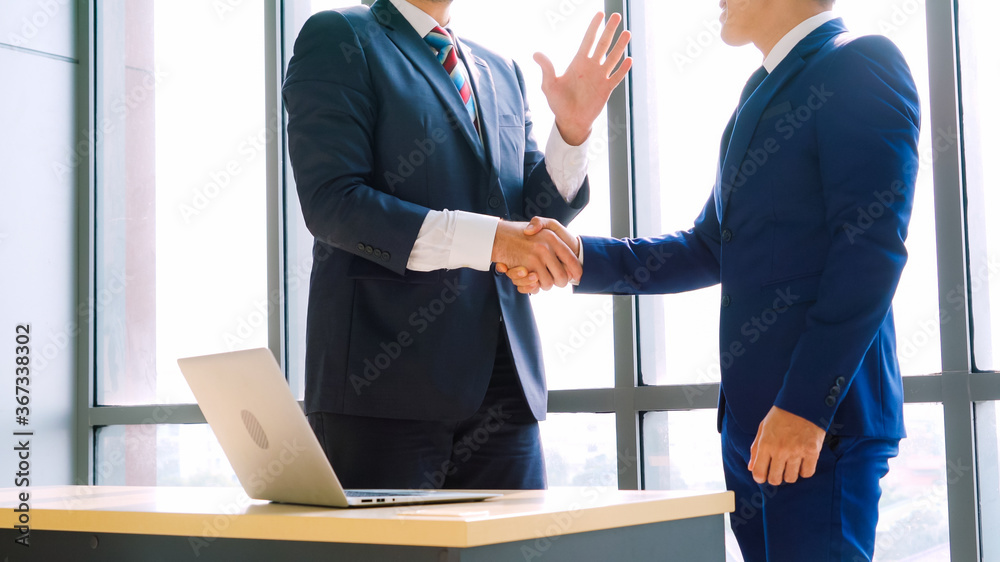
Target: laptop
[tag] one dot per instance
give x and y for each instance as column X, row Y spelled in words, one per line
column 267, row 438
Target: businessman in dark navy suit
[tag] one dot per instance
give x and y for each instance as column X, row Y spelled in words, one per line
column 805, row 231
column 414, row 157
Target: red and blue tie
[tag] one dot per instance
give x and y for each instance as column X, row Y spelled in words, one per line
column 443, row 45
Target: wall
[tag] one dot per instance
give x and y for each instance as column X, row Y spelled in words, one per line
column 38, row 195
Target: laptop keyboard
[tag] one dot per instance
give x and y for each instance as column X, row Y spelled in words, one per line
column 382, row 493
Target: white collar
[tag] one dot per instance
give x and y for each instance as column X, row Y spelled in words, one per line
column 791, row 39
column 420, row 20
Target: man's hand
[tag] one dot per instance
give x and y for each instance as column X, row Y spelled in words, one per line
column 549, row 257
column 787, row 446
column 529, row 281
column 578, row 96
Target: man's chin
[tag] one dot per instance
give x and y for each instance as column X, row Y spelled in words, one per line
column 732, row 39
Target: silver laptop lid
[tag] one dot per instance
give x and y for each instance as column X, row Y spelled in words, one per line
column 261, row 428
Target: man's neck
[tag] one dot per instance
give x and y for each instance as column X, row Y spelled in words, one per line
column 784, row 22
column 440, row 10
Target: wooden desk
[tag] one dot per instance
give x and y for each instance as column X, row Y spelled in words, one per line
column 160, row 523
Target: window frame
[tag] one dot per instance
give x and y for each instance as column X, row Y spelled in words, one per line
column 959, row 387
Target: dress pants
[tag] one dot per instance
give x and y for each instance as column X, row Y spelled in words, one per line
column 497, row 448
column 828, row 517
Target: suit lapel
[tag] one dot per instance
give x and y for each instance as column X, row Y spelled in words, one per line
column 414, row 48
column 485, row 91
column 744, row 123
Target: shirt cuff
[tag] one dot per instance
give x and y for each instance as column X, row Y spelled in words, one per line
column 566, row 165
column 579, row 256
column 472, row 245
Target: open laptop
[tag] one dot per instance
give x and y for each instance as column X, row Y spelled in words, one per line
column 267, row 438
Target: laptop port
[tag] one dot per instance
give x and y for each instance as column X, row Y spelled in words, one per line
column 366, row 501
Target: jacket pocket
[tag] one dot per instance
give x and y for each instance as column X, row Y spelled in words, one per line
column 793, row 290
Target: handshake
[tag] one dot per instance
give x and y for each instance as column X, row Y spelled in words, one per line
column 537, row 255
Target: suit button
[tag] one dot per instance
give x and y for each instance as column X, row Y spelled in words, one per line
column 835, row 391
column 831, row 401
column 727, row 235
column 726, row 301
column 378, row 253
column 369, row 250
column 494, row 202
column 841, row 381
column 386, row 256
column 361, row 246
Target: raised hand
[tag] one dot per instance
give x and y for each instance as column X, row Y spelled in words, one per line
column 548, row 256
column 529, row 281
column 578, row 96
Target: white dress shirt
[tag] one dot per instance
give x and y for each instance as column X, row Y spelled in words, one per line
column 453, row 239
column 792, row 38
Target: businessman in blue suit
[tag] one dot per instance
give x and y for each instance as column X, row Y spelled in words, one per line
column 414, row 156
column 804, row 230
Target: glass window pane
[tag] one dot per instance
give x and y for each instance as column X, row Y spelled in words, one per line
column 981, row 118
column 580, row 450
column 687, row 79
column 913, row 513
column 683, row 451
column 988, row 453
column 298, row 240
column 181, row 226
column 577, row 341
column 160, row 455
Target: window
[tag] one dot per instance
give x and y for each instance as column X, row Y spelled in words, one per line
column 681, row 450
column 988, row 446
column 578, row 344
column 981, row 117
column 181, row 250
column 297, row 238
column 162, row 454
column 580, row 450
column 913, row 512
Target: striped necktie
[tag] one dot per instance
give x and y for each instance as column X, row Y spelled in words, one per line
column 444, row 47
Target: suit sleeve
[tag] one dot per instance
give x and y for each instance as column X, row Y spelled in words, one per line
column 540, row 195
column 674, row 263
column 867, row 141
column 329, row 97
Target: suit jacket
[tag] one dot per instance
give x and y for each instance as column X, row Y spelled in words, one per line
column 805, row 230
column 378, row 136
